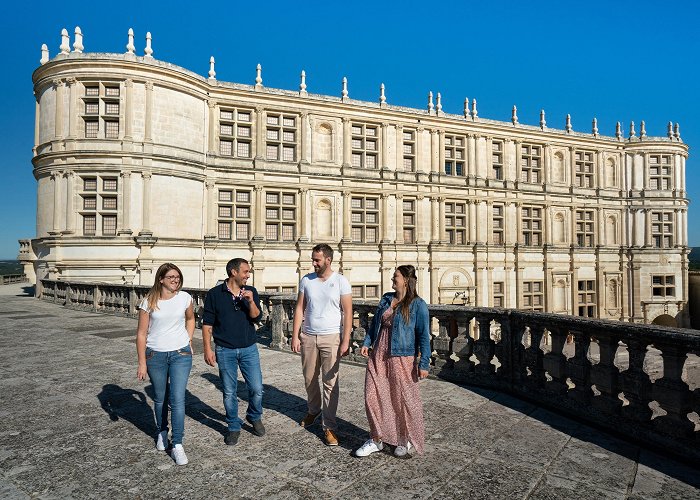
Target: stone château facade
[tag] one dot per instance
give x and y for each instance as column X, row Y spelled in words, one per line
column 139, row 162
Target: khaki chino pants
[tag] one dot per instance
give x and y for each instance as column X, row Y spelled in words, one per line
column 319, row 353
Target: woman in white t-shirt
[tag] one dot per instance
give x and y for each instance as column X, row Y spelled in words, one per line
column 164, row 348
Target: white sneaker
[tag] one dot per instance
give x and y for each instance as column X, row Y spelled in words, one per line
column 178, row 455
column 162, row 441
column 402, row 451
column 368, row 448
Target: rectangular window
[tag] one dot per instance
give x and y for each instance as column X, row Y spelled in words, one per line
column 89, row 224
column 531, row 163
column 111, row 91
column 662, row 229
column 280, row 216
column 660, row 172
column 497, row 159
column 111, row 129
column 531, row 222
column 586, row 298
column 533, row 296
column 89, row 203
column 455, row 154
column 499, row 298
column 497, row 224
column 365, row 291
column 90, row 184
column 365, row 145
column 112, row 108
column 663, row 285
column 281, row 135
column 585, row 169
column 92, row 128
column 409, row 221
column 409, row 150
column 364, row 219
column 92, row 90
column 235, row 133
column 456, row 222
column 109, row 225
column 234, row 211
column 585, row 232
column 92, row 108
column 109, row 203
column 109, row 184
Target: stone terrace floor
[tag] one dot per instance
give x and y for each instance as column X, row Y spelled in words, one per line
column 75, row 423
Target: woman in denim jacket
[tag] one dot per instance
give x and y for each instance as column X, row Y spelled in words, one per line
column 400, row 332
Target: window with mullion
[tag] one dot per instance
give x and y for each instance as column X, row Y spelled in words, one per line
column 235, row 132
column 586, row 299
column 456, row 222
column 497, row 159
column 585, row 228
column 497, row 224
column 364, row 219
column 585, row 169
column 455, row 154
column 531, row 224
column 533, row 296
column 531, row 163
column 660, row 172
column 365, row 145
column 234, row 214
column 99, row 205
column 281, row 137
column 409, row 221
column 409, row 150
column 662, row 229
column 280, row 216
column 663, row 285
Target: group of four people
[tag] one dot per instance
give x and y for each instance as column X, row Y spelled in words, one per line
column 397, row 345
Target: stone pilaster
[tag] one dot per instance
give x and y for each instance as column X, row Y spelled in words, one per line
column 125, row 204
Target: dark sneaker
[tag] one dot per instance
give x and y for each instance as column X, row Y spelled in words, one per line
column 258, row 427
column 309, row 419
column 232, row 437
column 331, row 438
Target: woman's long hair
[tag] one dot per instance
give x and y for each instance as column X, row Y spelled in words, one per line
column 409, row 274
column 153, row 294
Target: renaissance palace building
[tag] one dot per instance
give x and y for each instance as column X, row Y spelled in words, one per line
column 140, row 162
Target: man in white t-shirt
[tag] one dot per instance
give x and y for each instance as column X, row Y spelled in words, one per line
column 325, row 304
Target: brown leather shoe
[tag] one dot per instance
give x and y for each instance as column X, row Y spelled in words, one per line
column 309, row 419
column 331, row 438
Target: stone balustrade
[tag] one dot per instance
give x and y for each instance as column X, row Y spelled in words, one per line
column 9, row 279
column 640, row 381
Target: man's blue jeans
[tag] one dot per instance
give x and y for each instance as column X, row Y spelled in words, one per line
column 248, row 359
column 169, row 371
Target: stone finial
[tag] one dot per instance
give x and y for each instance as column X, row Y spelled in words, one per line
column 514, row 115
column 669, row 130
column 302, row 83
column 65, row 42
column 258, row 76
column 618, row 131
column 430, row 102
column 130, row 48
column 344, row 93
column 382, row 95
column 594, row 128
column 543, row 121
column 475, row 114
column 78, row 43
column 212, row 72
column 45, row 58
column 438, row 104
column 642, row 130
column 466, row 107
column 568, row 128
column 148, row 51
column 633, row 134
column 677, row 131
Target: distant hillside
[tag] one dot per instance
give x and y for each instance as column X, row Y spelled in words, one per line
column 694, row 258
column 10, row 267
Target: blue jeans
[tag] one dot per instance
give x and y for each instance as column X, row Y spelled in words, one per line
column 248, row 359
column 169, row 371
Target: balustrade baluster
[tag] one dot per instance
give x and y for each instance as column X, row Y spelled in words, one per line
column 485, row 347
column 605, row 376
column 463, row 346
column 636, row 383
column 672, row 393
column 580, row 369
column 534, row 358
column 554, row 362
column 441, row 344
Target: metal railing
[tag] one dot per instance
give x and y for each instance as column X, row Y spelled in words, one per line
column 640, row 381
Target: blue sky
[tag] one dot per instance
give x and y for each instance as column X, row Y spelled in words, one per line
column 617, row 61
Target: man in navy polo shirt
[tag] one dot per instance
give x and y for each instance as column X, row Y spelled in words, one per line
column 230, row 311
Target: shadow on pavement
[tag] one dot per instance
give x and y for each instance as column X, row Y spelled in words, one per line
column 294, row 408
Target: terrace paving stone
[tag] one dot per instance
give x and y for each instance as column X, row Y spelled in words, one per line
column 76, row 423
